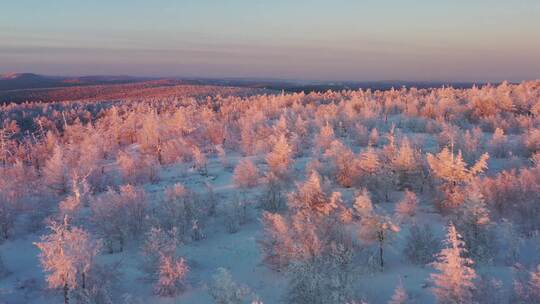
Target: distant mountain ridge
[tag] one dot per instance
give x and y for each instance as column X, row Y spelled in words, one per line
column 22, row 81
column 29, row 81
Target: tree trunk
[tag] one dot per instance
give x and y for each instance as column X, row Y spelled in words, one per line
column 66, row 291
column 83, row 280
column 381, row 257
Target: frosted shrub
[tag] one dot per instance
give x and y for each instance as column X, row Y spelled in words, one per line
column 498, row 145
column 119, row 215
column 181, row 209
column 199, row 161
column 3, row 269
column 421, row 245
column 224, row 290
column 325, row 279
column 136, row 168
column 172, row 273
column 273, row 194
column 236, row 214
column 157, row 243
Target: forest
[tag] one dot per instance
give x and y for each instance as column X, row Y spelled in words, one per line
column 196, row 194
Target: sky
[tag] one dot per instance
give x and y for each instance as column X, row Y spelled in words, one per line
column 335, row 40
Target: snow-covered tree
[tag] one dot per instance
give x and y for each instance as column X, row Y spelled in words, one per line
column 277, row 246
column 279, row 159
column 67, row 255
column 78, row 198
column 421, row 245
column 341, row 158
column 55, row 172
column 406, row 208
column 454, row 174
column 473, row 220
column 181, row 209
column 171, row 275
column 362, row 206
column 136, row 168
column 400, row 295
column 246, row 174
column 454, row 280
column 377, row 228
column 119, row 215
column 158, row 243
column 527, row 287
column 373, row 137
column 498, row 145
column 199, row 161
column 224, row 290
column 325, row 279
column 406, row 165
column 237, row 213
column 4, row 271
column 310, row 197
column 489, row 291
column 325, row 137
column 273, row 194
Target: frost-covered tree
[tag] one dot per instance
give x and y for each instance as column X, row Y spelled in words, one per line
column 119, row 215
column 406, row 165
column 315, row 220
column 369, row 166
column 273, row 194
column 400, row 295
column 279, row 160
column 67, row 255
column 237, row 213
column 373, row 137
column 527, row 287
column 77, row 199
column 278, row 245
column 55, row 172
column 224, row 290
column 454, row 280
column 341, row 158
column 136, row 168
column 158, row 243
column 325, row 137
column 362, row 206
column 199, row 161
column 473, row 220
column 421, row 245
column 310, row 196
column 498, row 145
column 181, row 209
column 489, row 291
column 8, row 215
column 246, row 174
column 4, row 271
column 453, row 174
column 406, row 207
column 377, row 228
column 172, row 274
column 325, row 279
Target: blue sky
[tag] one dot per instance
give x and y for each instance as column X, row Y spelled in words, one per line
column 322, row 40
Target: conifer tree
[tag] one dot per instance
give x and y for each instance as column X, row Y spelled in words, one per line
column 279, row 159
column 454, row 280
column 454, row 174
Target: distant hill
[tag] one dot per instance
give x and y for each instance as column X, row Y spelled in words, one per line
column 23, row 81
